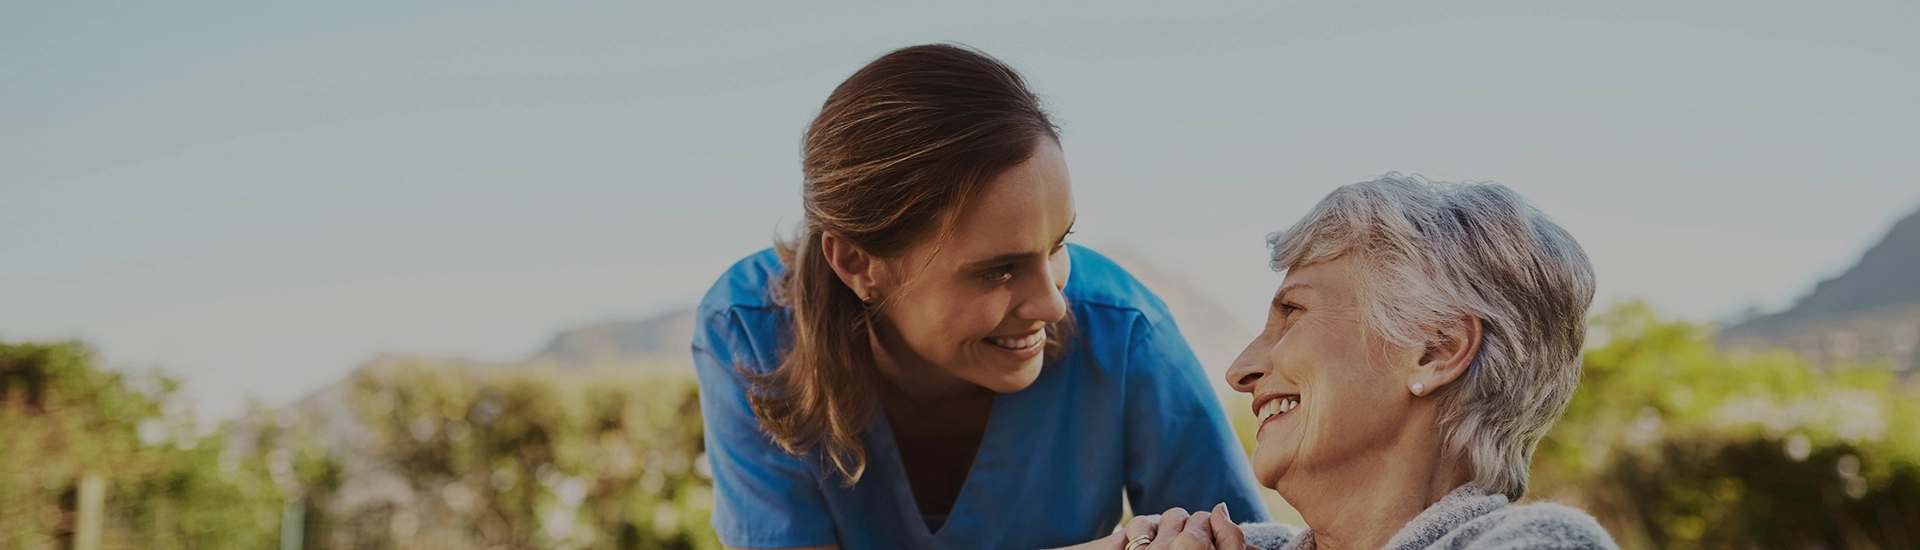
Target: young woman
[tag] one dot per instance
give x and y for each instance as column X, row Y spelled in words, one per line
column 928, row 364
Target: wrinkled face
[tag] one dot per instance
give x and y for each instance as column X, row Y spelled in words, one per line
column 978, row 306
column 1326, row 391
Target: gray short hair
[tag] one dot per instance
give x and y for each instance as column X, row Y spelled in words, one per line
column 1432, row 252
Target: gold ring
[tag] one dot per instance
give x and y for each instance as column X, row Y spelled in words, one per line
column 1138, row 542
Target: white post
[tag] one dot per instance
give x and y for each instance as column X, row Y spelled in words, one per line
column 293, row 519
column 93, row 506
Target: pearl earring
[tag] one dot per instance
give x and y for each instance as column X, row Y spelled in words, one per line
column 1419, row 388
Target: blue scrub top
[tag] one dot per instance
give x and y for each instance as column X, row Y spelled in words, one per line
column 1127, row 408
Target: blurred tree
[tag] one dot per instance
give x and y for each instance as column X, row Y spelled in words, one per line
column 170, row 481
column 530, row 457
column 1674, row 445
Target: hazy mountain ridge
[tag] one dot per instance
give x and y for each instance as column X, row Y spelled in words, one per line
column 1887, row 276
column 1870, row 313
column 665, row 340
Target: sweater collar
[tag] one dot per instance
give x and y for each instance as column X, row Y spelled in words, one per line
column 1457, row 508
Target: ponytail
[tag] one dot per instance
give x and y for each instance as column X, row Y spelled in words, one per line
column 826, row 395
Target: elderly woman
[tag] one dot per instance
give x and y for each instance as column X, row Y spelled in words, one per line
column 1424, row 339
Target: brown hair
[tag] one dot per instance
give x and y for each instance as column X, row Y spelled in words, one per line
column 896, row 152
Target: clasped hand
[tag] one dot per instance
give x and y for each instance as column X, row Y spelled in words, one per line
column 1176, row 529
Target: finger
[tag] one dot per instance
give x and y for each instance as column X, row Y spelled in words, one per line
column 1198, row 521
column 1226, row 535
column 1142, row 526
column 1194, row 535
column 1171, row 522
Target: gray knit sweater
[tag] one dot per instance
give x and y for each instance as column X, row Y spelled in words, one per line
column 1468, row 518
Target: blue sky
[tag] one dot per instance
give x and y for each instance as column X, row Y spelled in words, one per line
column 259, row 197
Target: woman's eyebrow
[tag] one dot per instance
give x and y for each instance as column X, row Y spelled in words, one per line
column 1018, row 256
column 1002, row 259
column 1281, row 296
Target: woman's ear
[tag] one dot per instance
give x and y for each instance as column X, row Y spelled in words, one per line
column 856, row 268
column 1449, row 355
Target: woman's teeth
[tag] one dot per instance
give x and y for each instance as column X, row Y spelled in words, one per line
column 1020, row 343
column 1278, row 407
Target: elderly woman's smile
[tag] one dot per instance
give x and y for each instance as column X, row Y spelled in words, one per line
column 1325, row 392
column 1273, row 405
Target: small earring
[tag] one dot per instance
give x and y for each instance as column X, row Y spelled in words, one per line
column 1419, row 388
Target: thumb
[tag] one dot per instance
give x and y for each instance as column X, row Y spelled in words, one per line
column 1226, row 535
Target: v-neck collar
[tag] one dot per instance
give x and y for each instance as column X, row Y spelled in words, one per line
column 987, row 463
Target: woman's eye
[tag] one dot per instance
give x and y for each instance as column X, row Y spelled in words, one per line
column 999, row 274
column 1288, row 309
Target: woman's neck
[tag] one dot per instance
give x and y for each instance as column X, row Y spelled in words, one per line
column 917, row 379
column 1362, row 503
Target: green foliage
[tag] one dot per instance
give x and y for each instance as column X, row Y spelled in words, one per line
column 1668, row 442
column 171, row 483
column 1674, row 445
column 533, row 458
column 415, row 455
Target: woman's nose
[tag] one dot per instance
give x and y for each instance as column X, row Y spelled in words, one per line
column 1043, row 300
column 1252, row 365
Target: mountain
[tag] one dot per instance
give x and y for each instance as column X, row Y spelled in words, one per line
column 665, row 340
column 1887, row 275
column 1868, row 313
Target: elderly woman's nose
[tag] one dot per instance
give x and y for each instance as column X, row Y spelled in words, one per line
column 1245, row 382
column 1249, row 368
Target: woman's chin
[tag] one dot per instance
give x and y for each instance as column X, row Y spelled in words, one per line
column 1003, row 370
column 1014, row 378
column 1269, row 464
column 1268, row 477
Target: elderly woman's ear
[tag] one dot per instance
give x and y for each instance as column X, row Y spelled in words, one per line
column 1448, row 356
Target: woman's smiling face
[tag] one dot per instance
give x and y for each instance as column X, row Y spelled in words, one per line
column 976, row 304
column 1326, row 390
